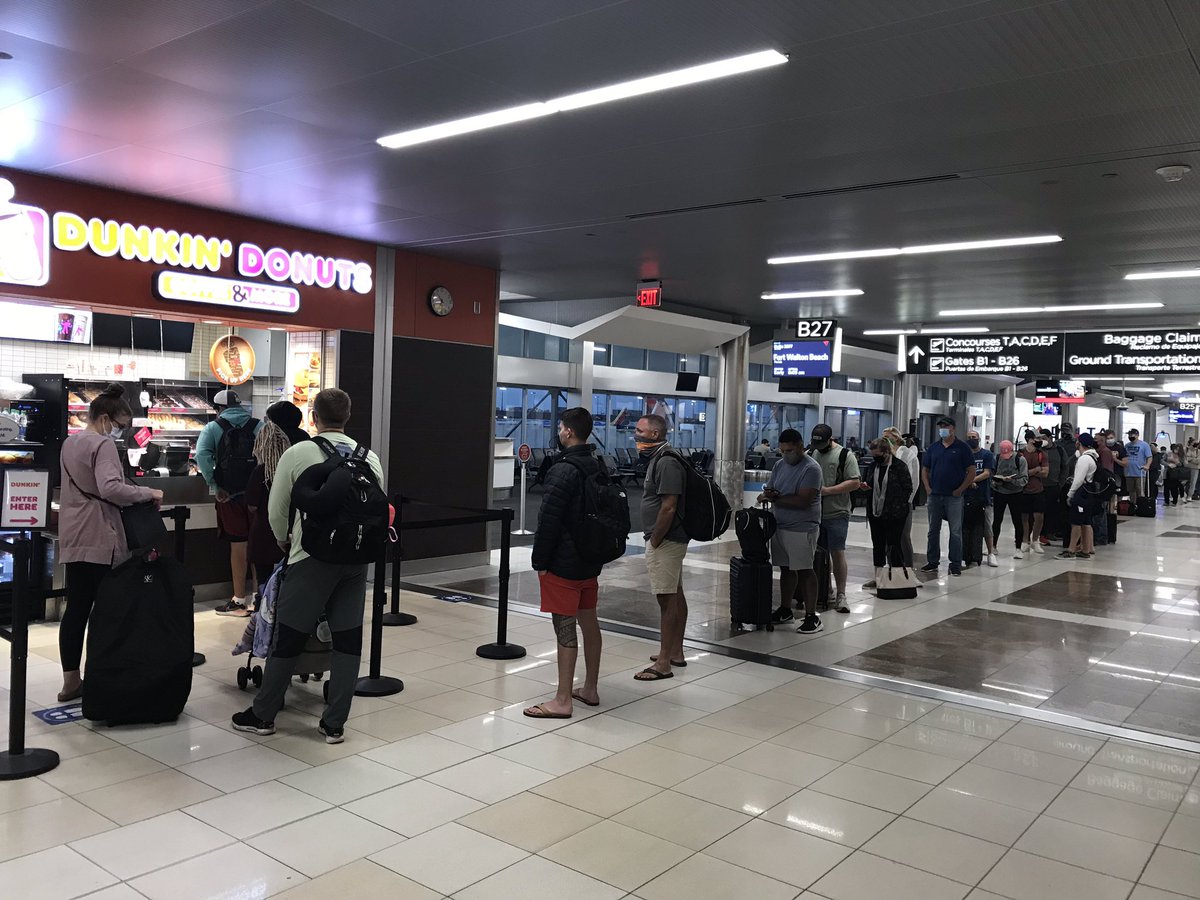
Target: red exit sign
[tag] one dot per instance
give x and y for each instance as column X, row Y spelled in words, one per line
column 649, row 293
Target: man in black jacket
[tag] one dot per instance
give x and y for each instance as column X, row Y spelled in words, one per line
column 568, row 582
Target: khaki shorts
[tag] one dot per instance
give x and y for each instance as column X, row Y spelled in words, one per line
column 665, row 565
column 794, row 549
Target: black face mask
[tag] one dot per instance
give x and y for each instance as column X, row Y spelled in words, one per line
column 973, row 443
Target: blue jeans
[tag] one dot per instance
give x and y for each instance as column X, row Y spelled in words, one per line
column 944, row 506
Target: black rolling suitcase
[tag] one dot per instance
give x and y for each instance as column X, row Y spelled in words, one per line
column 973, row 525
column 824, row 573
column 1112, row 528
column 1145, row 508
column 751, row 593
column 139, row 644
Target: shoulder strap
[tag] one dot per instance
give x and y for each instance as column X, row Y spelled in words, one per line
column 224, row 424
column 360, row 451
column 250, row 424
column 75, row 484
column 325, row 445
column 841, row 470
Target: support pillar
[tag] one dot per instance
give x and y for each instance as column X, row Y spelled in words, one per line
column 730, row 466
column 1114, row 422
column 587, row 374
column 381, row 367
column 1150, row 427
column 1006, row 413
column 905, row 393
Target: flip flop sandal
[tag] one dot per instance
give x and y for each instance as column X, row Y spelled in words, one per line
column 652, row 674
column 575, row 695
column 682, row 664
column 543, row 713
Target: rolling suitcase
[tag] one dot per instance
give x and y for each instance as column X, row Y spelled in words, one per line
column 1112, row 528
column 1145, row 508
column 1125, row 508
column 973, row 520
column 824, row 573
column 140, row 641
column 751, row 593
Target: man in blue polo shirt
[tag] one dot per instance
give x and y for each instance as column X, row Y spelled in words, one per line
column 947, row 471
column 1137, row 464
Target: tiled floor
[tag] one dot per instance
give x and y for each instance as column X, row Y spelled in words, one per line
column 732, row 780
column 1115, row 639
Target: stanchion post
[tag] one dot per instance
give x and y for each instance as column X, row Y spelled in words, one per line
column 524, row 492
column 395, row 617
column 502, row 649
column 375, row 684
column 18, row 761
column 180, row 515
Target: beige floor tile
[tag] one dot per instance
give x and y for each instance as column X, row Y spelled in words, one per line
column 26, row 792
column 610, row 733
column 235, row 871
column 370, row 880
column 1130, row 786
column 1109, row 814
column 615, row 854
column 751, row 723
column 949, row 744
column 1037, row 764
column 964, row 720
column 234, row 771
column 786, row 706
column 1088, row 848
column 713, row 879
column 535, row 878
column 1166, row 764
column 553, row 754
column 656, row 765
column 273, row 805
column 182, row 747
column 487, row 733
column 490, row 778
column 890, row 793
column 824, row 742
column 148, row 796
column 55, row 874
column 70, row 741
column 414, row 807
column 396, row 724
column 347, row 779
column 737, row 790
column 783, row 764
column 892, row 705
column 509, row 689
column 96, row 770
column 597, row 791
column 449, row 858
column 682, row 820
column 740, row 681
column 1023, row 876
column 705, row 743
column 1002, row 787
column 309, row 747
column 421, row 754
column 864, row 877
column 47, row 825
column 968, row 814
column 830, row 818
column 1144, row 892
column 1059, row 741
column 325, row 842
column 857, row 722
column 529, row 821
column 151, row 844
column 780, row 853
column 458, row 705
column 1174, row 870
column 916, row 765
column 932, row 849
column 657, row 713
column 823, row 690
column 1183, row 834
column 697, row 696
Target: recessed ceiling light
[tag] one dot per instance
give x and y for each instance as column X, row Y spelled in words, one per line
column 1128, row 378
column 142, row 316
column 804, row 295
column 854, row 381
column 1158, row 395
column 1033, row 310
column 956, row 330
column 917, row 249
column 275, row 328
column 212, row 322
column 4, row 55
column 1179, row 387
column 722, row 68
column 1168, row 273
column 883, row 331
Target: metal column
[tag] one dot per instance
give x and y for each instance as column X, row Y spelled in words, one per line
column 587, row 374
column 1150, row 426
column 1114, row 421
column 730, row 467
column 904, row 401
column 1006, row 413
column 381, row 368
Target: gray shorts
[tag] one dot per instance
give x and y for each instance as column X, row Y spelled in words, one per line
column 794, row 549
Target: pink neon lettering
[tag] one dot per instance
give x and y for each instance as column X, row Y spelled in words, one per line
column 325, row 274
column 250, row 260
column 345, row 269
column 302, row 268
column 278, row 264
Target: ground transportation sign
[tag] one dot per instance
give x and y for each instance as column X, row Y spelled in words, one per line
column 984, row 354
column 1133, row 352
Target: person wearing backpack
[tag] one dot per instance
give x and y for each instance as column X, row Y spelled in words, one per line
column 839, row 469
column 225, row 457
column 1054, row 482
column 328, row 554
column 568, row 558
column 1081, row 505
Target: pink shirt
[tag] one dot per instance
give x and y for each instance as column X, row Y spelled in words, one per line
column 90, row 530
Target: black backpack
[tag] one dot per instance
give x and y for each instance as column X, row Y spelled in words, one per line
column 343, row 511
column 706, row 513
column 1103, row 484
column 235, row 455
column 754, row 529
column 603, row 528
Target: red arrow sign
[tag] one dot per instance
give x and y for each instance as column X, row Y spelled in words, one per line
column 24, row 521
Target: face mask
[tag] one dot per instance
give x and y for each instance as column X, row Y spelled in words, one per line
column 792, row 458
column 878, row 457
column 647, row 448
column 943, row 433
column 1111, row 443
column 115, row 432
column 973, row 443
column 1038, row 444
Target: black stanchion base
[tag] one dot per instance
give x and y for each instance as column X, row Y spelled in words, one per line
column 198, row 659
column 398, row 619
column 383, row 686
column 500, row 651
column 33, row 761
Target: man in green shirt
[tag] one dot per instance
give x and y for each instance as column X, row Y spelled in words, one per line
column 839, row 468
column 312, row 588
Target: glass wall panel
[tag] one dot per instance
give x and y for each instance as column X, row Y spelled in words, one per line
column 512, row 341
column 627, row 357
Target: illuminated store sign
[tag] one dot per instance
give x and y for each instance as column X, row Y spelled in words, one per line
column 249, row 295
column 24, row 241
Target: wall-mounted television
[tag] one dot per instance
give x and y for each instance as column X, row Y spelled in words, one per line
column 687, row 382
column 1061, row 391
column 1181, row 416
column 802, row 359
column 1047, row 409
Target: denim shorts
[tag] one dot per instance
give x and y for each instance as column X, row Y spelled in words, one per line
column 833, row 533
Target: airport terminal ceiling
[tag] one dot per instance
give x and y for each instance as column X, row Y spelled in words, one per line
column 893, row 123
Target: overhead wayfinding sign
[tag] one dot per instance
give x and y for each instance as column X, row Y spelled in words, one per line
column 984, row 354
column 1133, row 352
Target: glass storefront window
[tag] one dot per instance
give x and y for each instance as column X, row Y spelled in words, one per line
column 510, row 404
column 512, row 341
column 658, row 361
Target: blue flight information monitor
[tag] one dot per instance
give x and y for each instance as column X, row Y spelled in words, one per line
column 802, row 359
column 1181, row 416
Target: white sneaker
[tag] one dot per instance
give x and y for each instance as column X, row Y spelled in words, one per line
column 1027, row 548
column 1018, row 555
column 1037, row 547
column 992, row 561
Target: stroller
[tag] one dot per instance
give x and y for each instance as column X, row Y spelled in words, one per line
column 256, row 640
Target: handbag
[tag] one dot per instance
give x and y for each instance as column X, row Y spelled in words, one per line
column 896, row 583
column 143, row 523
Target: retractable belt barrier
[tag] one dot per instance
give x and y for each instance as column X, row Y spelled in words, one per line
column 179, row 515
column 19, row 761
column 501, row 648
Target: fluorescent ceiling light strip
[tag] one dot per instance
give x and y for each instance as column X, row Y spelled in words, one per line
column 1170, row 273
column 804, row 295
column 956, row 330
column 1128, row 378
column 1028, row 310
column 888, row 331
column 624, row 90
column 918, row 249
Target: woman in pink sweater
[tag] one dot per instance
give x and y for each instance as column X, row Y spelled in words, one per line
column 91, row 536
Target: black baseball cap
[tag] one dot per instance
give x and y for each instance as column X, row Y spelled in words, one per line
column 946, row 420
column 821, row 436
column 1134, row 431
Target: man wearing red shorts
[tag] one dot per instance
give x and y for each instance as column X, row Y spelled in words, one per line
column 568, row 581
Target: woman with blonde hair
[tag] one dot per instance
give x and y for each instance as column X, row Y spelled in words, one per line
column 909, row 456
column 262, row 549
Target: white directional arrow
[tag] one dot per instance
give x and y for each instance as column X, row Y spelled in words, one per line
column 916, row 353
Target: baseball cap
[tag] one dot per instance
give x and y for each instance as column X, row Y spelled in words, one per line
column 945, row 420
column 1133, row 431
column 1087, row 440
column 821, row 436
column 227, row 398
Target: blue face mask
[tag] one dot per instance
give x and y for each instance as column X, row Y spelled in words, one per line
column 943, row 433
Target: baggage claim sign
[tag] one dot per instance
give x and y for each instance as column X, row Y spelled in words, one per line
column 1174, row 351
